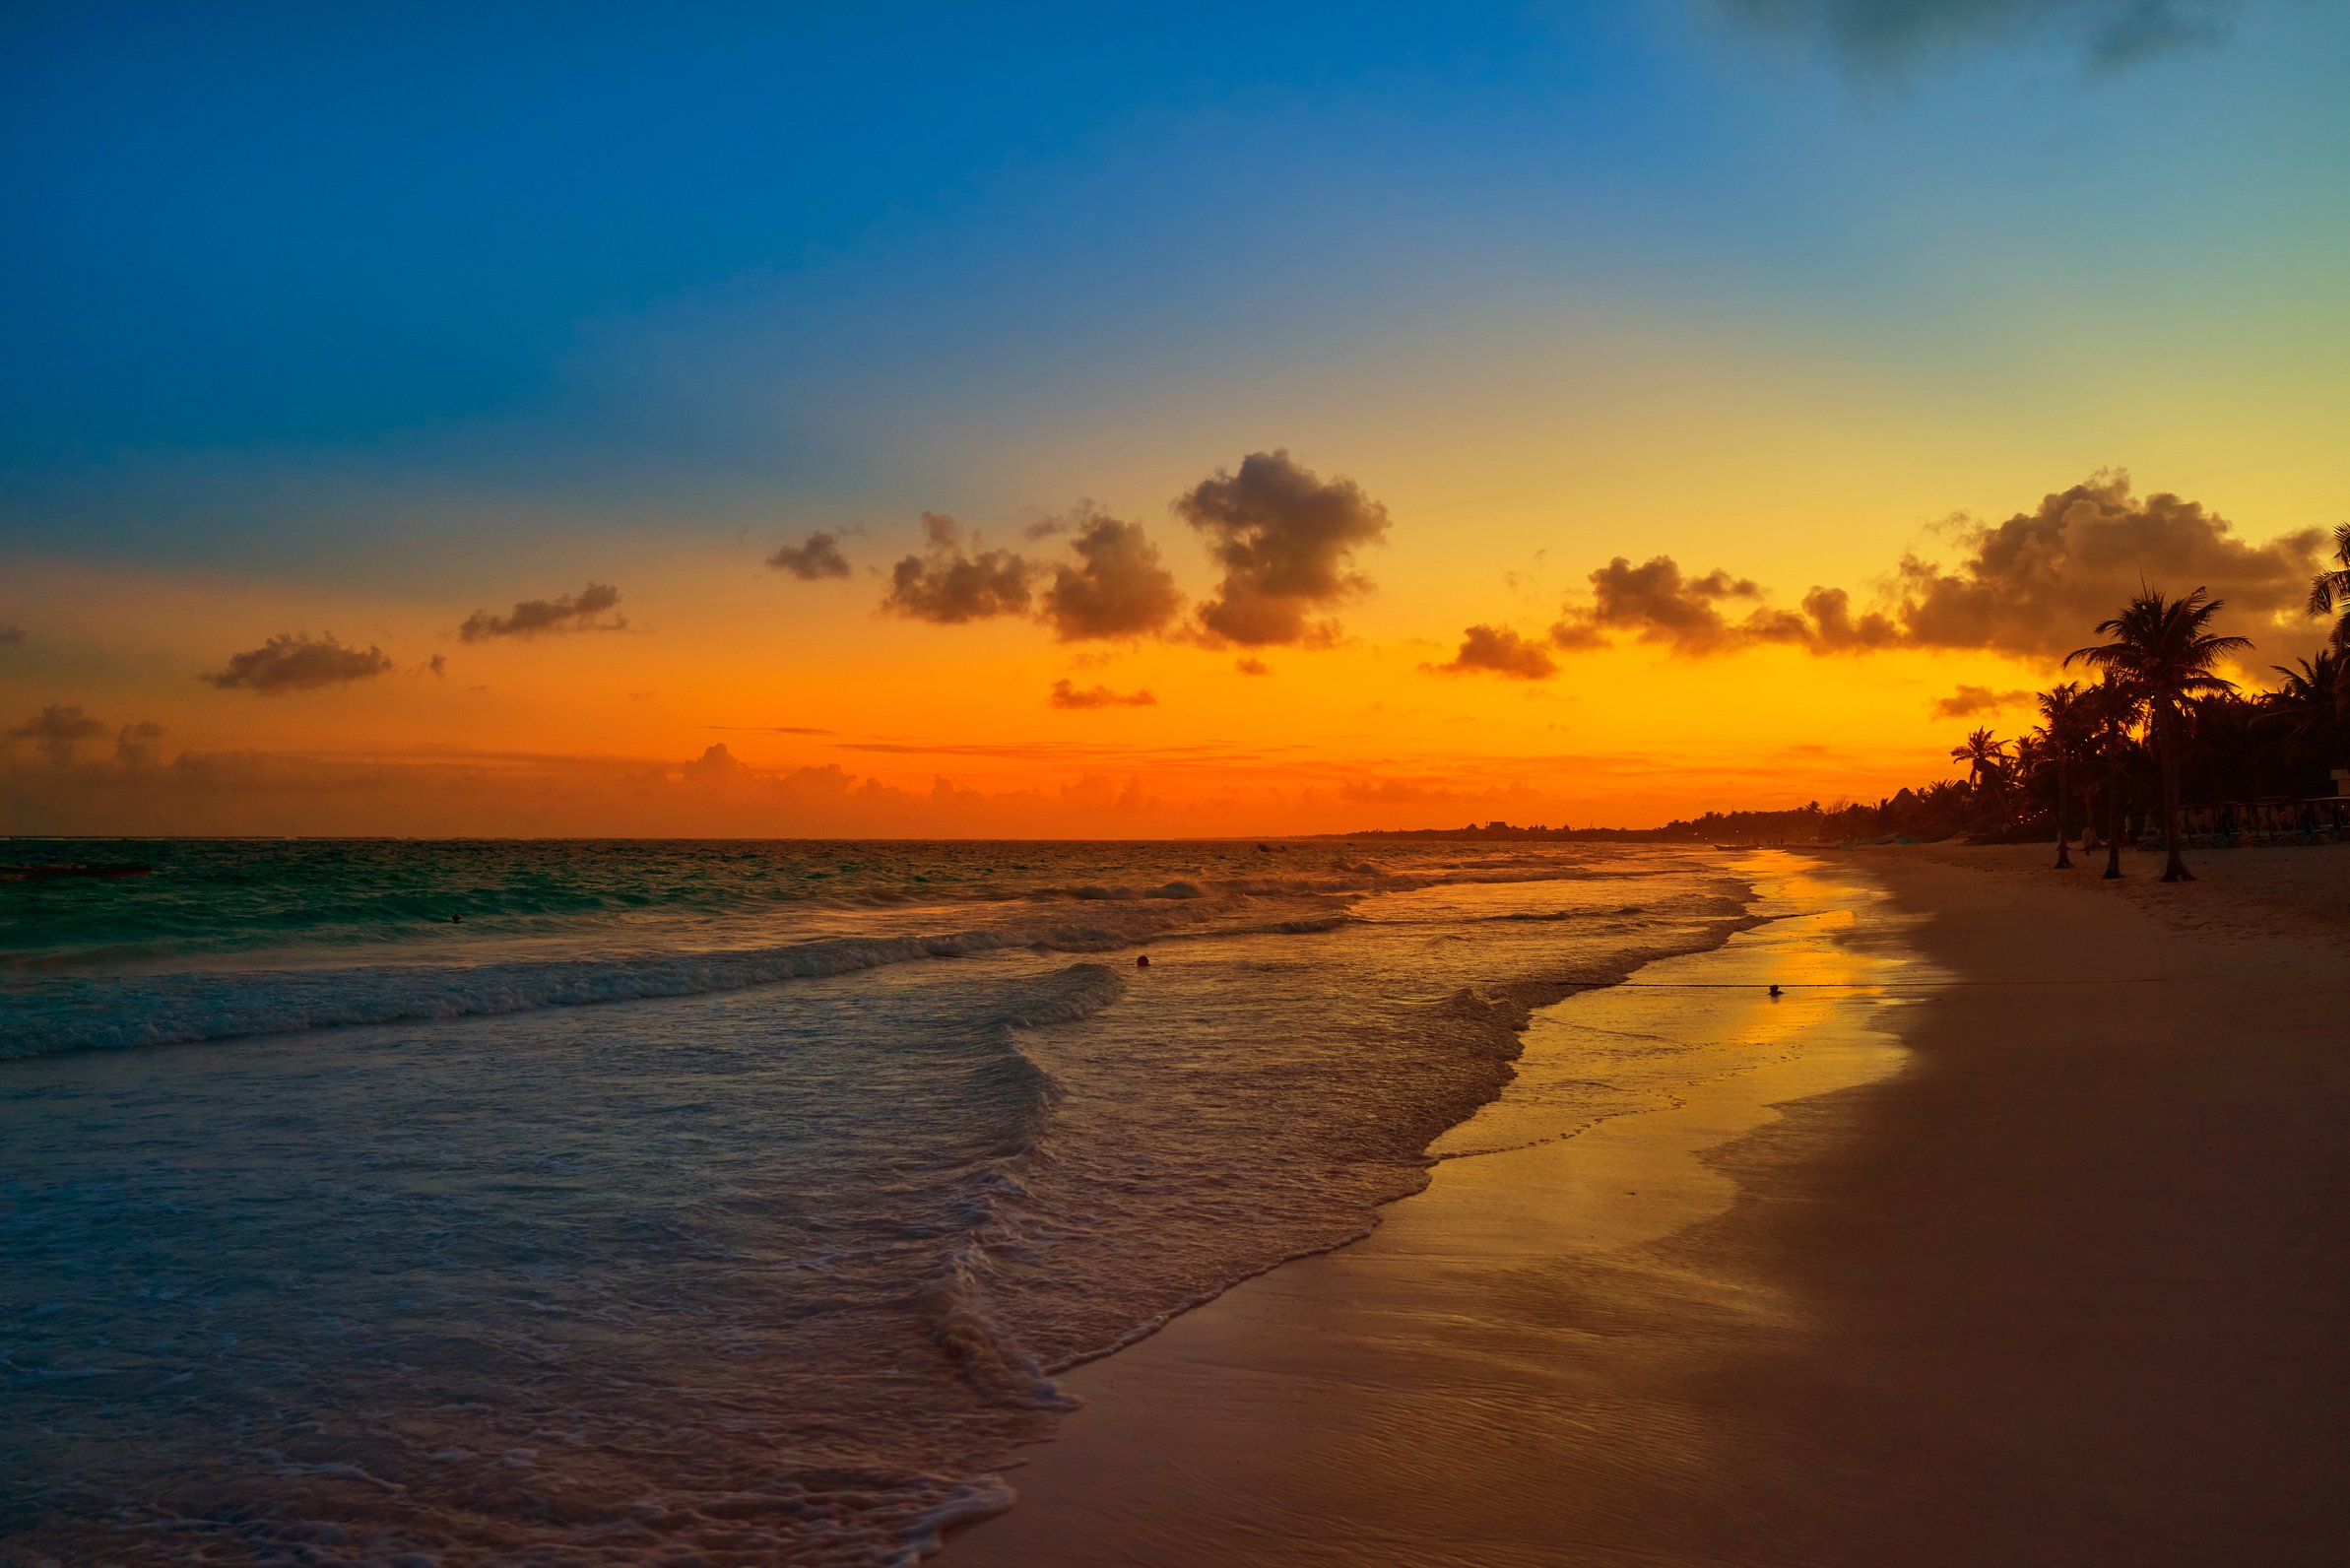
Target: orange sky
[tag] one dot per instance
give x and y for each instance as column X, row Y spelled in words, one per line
column 1754, row 311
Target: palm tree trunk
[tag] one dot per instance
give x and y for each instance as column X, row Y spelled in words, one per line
column 2174, row 867
column 2112, row 820
column 2064, row 850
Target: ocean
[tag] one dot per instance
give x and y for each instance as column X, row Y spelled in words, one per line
column 568, row 1202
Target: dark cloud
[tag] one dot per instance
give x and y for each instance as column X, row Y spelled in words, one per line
column 946, row 585
column 1252, row 666
column 1066, row 695
column 57, row 730
column 1883, row 37
column 1116, row 587
column 298, row 662
column 1655, row 603
column 1286, row 541
column 1972, row 701
column 533, row 617
column 134, row 744
column 2034, row 583
column 2031, row 586
column 12, row 633
column 1498, row 650
column 813, row 558
column 437, row 666
column 1833, row 628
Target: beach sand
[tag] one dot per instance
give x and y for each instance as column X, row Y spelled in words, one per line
column 2042, row 1264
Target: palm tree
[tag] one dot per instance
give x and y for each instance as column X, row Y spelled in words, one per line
column 2310, row 700
column 1987, row 760
column 2059, row 711
column 2110, row 710
column 2164, row 648
column 2329, row 592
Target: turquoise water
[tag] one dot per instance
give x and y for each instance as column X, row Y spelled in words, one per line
column 724, row 1202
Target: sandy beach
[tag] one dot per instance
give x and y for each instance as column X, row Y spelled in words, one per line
column 2023, row 1243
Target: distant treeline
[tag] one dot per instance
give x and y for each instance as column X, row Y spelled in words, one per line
column 2158, row 745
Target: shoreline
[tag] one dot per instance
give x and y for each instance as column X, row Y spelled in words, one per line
column 2066, row 1286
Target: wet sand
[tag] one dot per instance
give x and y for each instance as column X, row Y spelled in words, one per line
column 2044, row 1266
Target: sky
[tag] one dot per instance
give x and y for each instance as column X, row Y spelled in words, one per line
column 1081, row 420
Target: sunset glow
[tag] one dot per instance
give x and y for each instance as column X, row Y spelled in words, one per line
column 742, row 458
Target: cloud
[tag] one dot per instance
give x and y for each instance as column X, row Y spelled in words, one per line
column 946, row 586
column 298, row 662
column 813, row 558
column 1833, row 628
column 571, row 613
column 1970, row 701
column 10, row 633
column 1252, row 666
column 1498, row 650
column 2030, row 587
column 1889, row 37
column 134, row 744
column 1285, row 540
column 57, row 730
column 1067, row 695
column 1656, row 602
column 757, row 729
column 2035, row 584
column 1116, row 589
column 437, row 666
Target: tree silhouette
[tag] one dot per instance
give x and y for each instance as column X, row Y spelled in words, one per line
column 2163, row 649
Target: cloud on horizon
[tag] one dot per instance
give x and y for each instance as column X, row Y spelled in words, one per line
column 1498, row 650
column 1285, row 540
column 1066, row 695
column 947, row 586
column 535, row 617
column 298, row 662
column 812, row 559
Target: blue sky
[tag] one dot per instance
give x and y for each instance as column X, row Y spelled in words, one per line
column 276, row 267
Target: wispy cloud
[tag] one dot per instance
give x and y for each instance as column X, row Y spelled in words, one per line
column 756, row 729
column 533, row 618
column 1892, row 37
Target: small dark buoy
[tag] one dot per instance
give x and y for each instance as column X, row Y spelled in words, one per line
column 1143, row 961
column 1774, row 990
column 456, row 920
